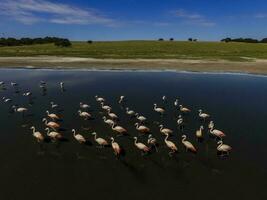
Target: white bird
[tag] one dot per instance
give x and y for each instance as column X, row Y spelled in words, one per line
column 102, row 142
column 112, row 115
column 188, row 145
column 142, row 128
column 7, row 100
column 99, row 99
column 39, row 136
column 199, row 133
column 14, row 84
column 53, row 134
column 52, row 125
column 108, row 121
column 141, row 146
column 203, row 115
column 2, row 83
column 176, row 102
column 115, row 146
column 84, row 106
column 52, row 116
column 62, row 84
column 158, row 109
column 84, row 115
column 141, row 118
column 121, row 99
column 78, row 137
column 118, row 129
column 152, row 141
column 165, row 131
column 27, row 94
column 105, row 107
column 53, row 105
column 129, row 112
column 223, row 148
column 184, row 109
column 170, row 145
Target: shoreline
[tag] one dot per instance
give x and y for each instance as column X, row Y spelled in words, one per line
column 253, row 66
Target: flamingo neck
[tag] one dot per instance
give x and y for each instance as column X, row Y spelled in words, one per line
column 33, row 130
column 74, row 133
column 135, row 141
column 166, row 138
column 184, row 138
column 113, row 124
column 47, row 132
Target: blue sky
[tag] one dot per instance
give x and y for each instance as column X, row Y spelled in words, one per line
column 134, row 19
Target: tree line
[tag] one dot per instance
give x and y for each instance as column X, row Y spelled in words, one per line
column 246, row 40
column 63, row 42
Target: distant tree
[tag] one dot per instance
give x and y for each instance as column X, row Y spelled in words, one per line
column 264, row 40
column 194, row 40
column 160, row 39
column 190, row 39
column 171, row 39
column 89, row 41
column 63, row 43
column 226, row 40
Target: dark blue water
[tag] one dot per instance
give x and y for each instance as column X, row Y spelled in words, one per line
column 69, row 170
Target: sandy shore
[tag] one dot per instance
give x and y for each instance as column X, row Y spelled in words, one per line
column 255, row 66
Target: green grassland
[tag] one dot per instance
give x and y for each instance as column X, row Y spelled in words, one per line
column 145, row 50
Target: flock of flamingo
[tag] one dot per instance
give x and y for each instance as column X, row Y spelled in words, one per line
column 52, row 126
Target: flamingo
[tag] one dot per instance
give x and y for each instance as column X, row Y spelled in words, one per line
column 142, row 128
column 170, row 145
column 129, row 112
column 27, row 94
column 184, row 109
column 164, row 98
column 53, row 105
column 112, row 115
column 52, row 125
column 78, row 137
column 20, row 110
column 188, row 145
column 115, row 146
column 118, row 129
column 105, row 107
column 84, row 106
column 7, row 100
column 165, row 131
column 158, row 109
column 52, row 116
column 180, row 120
column 217, row 133
column 53, row 134
column 203, row 115
column 121, row 99
column 102, row 142
column 99, row 99
column 141, row 146
column 199, row 133
column 62, row 84
column 85, row 115
column 39, row 136
column 176, row 102
column 108, row 121
column 223, row 147
column 211, row 125
column 14, row 84
column 141, row 118
column 152, row 141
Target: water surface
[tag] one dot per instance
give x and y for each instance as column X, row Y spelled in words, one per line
column 68, row 170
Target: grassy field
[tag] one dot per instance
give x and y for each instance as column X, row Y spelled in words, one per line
column 145, row 49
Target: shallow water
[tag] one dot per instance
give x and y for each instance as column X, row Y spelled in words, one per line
column 69, row 170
